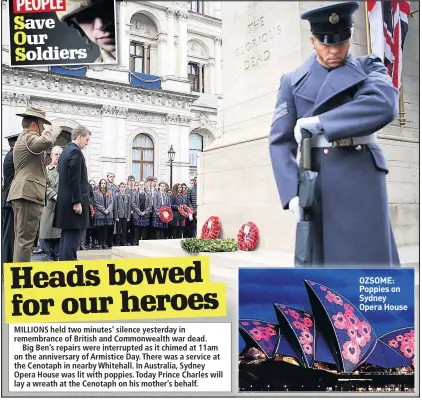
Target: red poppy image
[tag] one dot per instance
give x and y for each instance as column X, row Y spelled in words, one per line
column 407, row 350
column 245, row 323
column 361, row 339
column 302, row 340
column 393, row 343
column 352, row 332
column 407, row 340
column 340, row 322
column 271, row 325
column 257, row 323
column 286, row 312
column 330, row 296
column 365, row 329
column 338, row 300
column 399, row 338
column 307, row 336
column 348, row 309
column 294, row 314
column 282, row 306
column 261, row 328
column 351, row 352
column 308, row 322
column 410, row 334
column 307, row 315
column 256, row 334
column 300, row 325
column 307, row 348
column 312, row 283
column 323, row 288
column 271, row 331
column 353, row 320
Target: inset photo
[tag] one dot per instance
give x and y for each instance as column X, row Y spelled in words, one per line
column 349, row 330
column 79, row 32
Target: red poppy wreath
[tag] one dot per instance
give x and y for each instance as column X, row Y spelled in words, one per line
column 166, row 214
column 248, row 237
column 185, row 210
column 211, row 228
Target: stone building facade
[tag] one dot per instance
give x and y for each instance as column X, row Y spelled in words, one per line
column 177, row 43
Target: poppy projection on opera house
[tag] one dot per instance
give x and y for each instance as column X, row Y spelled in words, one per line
column 336, row 333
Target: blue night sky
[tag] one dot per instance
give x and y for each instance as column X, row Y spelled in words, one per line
column 259, row 288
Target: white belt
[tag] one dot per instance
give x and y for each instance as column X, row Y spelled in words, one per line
column 321, row 141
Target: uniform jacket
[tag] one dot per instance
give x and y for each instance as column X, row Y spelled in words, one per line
column 356, row 99
column 147, row 209
column 47, row 231
column 30, row 179
column 122, row 206
column 74, row 188
column 159, row 201
column 176, row 201
column 100, row 206
column 8, row 174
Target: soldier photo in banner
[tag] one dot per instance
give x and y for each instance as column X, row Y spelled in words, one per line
column 95, row 20
column 342, row 101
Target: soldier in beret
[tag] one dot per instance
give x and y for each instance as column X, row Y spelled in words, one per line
column 343, row 101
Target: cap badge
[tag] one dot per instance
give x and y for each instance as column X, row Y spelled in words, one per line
column 334, row 18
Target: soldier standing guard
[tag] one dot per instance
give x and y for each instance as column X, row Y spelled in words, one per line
column 28, row 189
column 343, row 101
column 7, row 226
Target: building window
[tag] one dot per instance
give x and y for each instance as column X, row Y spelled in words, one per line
column 196, row 77
column 196, row 145
column 196, row 6
column 142, row 157
column 139, row 58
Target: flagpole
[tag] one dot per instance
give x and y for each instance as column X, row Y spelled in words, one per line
column 402, row 119
column 368, row 35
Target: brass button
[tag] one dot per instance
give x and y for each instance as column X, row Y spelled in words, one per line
column 326, row 151
column 358, row 147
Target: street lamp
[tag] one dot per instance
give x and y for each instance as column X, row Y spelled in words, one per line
column 171, row 154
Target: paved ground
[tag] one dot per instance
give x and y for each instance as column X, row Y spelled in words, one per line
column 82, row 255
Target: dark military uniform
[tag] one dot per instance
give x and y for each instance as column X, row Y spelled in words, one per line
column 352, row 102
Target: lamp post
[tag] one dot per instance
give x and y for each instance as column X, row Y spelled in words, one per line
column 171, row 154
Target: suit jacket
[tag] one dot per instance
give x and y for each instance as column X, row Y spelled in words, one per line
column 30, row 179
column 8, row 173
column 73, row 188
column 136, row 205
column 47, row 231
column 122, row 206
column 157, row 202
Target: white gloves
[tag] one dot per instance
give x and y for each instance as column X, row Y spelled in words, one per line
column 294, row 207
column 312, row 124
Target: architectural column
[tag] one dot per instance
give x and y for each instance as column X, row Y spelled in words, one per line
column 218, row 72
column 211, row 76
column 200, row 77
column 145, row 59
column 120, row 150
column 123, row 36
column 162, row 54
column 108, row 127
column 153, row 59
column 182, row 46
column 170, row 41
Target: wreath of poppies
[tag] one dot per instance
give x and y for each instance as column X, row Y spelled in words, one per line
column 211, row 229
column 185, row 210
column 248, row 237
column 166, row 214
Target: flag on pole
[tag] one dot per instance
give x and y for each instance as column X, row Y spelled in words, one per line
column 388, row 22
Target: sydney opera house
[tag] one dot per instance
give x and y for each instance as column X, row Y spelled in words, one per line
column 334, row 348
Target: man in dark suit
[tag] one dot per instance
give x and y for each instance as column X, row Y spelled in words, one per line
column 7, row 226
column 72, row 208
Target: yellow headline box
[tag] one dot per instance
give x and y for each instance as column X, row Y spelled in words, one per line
column 122, row 289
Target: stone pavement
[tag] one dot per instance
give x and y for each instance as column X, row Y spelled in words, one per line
column 82, row 255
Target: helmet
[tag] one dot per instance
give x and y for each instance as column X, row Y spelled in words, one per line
column 74, row 7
